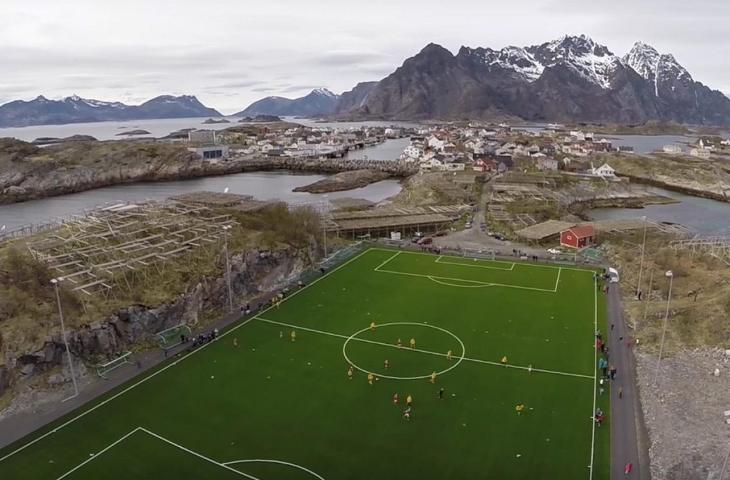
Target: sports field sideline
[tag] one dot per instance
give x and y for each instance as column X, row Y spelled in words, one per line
column 274, row 407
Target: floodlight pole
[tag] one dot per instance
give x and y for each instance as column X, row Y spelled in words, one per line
column 55, row 282
column 664, row 328
column 641, row 263
column 646, row 304
column 228, row 267
column 325, row 208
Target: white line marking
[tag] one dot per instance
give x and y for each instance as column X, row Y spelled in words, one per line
column 428, row 352
column 222, row 465
column 438, row 260
column 521, row 264
column 484, row 284
column 459, row 359
column 385, row 262
column 108, row 447
column 264, row 460
column 154, row 374
column 557, row 280
column 593, row 412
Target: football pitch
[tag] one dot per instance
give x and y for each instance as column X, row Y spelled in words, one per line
column 277, row 407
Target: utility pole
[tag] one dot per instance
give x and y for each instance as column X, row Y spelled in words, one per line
column 641, row 263
column 670, row 275
column 55, row 282
column 228, row 267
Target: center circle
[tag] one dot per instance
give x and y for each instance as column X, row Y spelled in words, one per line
column 394, row 377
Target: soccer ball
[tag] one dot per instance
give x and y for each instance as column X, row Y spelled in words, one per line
column 212, row 377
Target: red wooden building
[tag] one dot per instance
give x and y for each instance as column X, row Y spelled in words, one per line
column 577, row 237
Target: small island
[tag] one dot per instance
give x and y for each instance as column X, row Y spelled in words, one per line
column 260, row 119
column 344, row 181
column 133, row 133
column 213, row 121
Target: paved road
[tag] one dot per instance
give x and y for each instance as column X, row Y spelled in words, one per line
column 628, row 437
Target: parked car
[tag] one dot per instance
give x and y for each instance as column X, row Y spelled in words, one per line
column 554, row 251
column 425, row 241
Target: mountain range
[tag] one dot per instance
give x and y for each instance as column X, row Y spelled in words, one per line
column 568, row 79
column 74, row 109
column 318, row 102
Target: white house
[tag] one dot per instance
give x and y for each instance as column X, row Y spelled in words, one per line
column 700, row 153
column 672, row 149
column 436, row 143
column 412, row 151
column 604, row 171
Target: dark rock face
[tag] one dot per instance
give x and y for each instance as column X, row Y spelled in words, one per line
column 318, row 102
column 355, row 98
column 251, row 274
column 568, row 79
column 42, row 111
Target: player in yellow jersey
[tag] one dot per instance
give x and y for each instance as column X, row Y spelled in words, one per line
column 371, row 377
column 293, row 336
column 413, row 343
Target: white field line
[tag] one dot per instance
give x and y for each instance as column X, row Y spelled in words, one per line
column 533, row 265
column 96, row 455
column 385, row 262
column 201, row 456
column 279, row 462
column 484, row 284
column 435, row 279
column 157, row 372
column 593, row 412
column 557, row 280
column 428, row 352
column 438, row 260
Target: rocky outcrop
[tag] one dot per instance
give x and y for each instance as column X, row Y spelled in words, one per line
column 132, row 162
column 252, row 274
column 344, row 181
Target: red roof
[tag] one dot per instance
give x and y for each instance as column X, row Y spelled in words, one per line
column 582, row 231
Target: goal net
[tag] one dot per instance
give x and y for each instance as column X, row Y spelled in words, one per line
column 104, row 369
column 172, row 337
column 484, row 254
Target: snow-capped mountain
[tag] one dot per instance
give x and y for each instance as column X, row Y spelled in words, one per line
column 515, row 59
column 319, row 101
column 75, row 109
column 572, row 78
column 655, row 67
column 589, row 59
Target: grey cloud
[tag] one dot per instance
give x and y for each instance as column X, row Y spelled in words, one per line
column 342, row 58
column 241, row 84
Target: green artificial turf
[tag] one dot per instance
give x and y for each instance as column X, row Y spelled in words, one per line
column 271, row 399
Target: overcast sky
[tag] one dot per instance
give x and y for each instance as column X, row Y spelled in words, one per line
column 231, row 52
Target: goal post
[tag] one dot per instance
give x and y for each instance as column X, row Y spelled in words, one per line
column 103, row 369
column 170, row 337
column 480, row 254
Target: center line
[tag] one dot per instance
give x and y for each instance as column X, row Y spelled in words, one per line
column 428, row 352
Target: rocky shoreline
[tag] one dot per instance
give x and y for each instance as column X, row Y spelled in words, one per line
column 695, row 191
column 54, row 180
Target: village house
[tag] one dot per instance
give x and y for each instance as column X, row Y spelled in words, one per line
column 604, row 171
column 545, row 163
